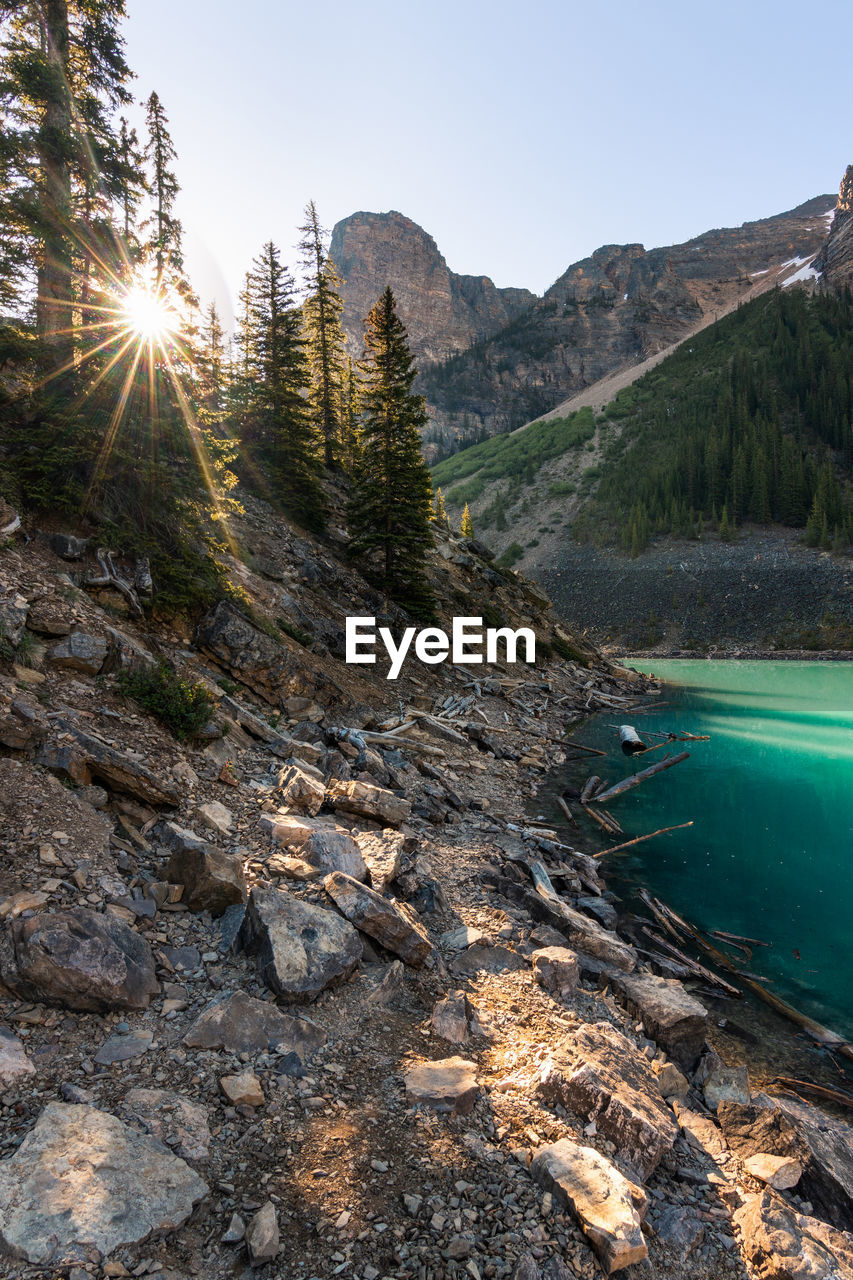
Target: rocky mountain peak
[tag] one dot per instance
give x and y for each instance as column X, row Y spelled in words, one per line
column 835, row 260
column 444, row 312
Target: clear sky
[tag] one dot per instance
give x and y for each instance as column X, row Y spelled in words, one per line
column 520, row 135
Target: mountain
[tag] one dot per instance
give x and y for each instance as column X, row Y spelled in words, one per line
column 835, row 260
column 444, row 312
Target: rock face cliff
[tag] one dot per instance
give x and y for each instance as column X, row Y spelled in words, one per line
column 609, row 311
column 444, row 312
column 835, row 260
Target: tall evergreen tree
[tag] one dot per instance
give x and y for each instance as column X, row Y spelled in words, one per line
column 466, row 524
column 163, row 246
column 278, row 419
column 325, row 338
column 390, row 506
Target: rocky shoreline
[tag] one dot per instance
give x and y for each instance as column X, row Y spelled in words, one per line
column 298, row 1000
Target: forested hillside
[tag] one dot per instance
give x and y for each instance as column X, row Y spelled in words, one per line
column 750, row 420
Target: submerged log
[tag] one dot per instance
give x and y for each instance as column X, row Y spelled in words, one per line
column 662, row 831
column 627, row 784
column 632, row 743
column 589, row 787
column 737, row 937
column 838, row 1096
column 567, row 811
column 697, row 969
column 579, row 746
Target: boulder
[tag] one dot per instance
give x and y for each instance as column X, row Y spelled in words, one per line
column 288, row 830
column 50, row 617
column 243, row 1090
column 170, row 1118
column 702, row 1134
column 300, row 790
column 599, row 1075
column 671, row 1082
column 822, row 1144
column 484, row 958
column 213, row 880
column 15, row 1066
column 609, row 1208
column 215, row 816
column 449, row 1085
column 726, row 1084
column 556, row 969
column 83, row 1180
column 301, row 949
column 333, row 849
column 454, row 1018
column 14, row 611
column 672, row 1018
column 590, row 937
column 379, row 918
column 83, row 758
column 252, row 657
column 779, row 1172
column 77, row 959
column 680, row 1229
column 781, row 1244
column 80, row 652
column 368, row 801
column 239, row 1023
column 67, row 546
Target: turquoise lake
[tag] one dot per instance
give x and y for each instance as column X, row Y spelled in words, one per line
column 770, row 854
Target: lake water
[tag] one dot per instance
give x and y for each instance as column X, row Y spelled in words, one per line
column 770, row 855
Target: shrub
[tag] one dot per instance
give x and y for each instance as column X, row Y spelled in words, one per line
column 182, row 705
column 513, row 552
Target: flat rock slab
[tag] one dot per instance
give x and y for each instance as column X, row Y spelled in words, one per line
column 822, row 1144
column 301, row 949
column 15, row 1066
column 215, row 816
column 379, row 918
column 213, row 880
column 124, row 1048
column 85, row 758
column 171, row 1119
column 77, row 959
column 484, row 959
column 368, row 801
column 241, row 1024
column 594, row 940
column 599, row 1075
column 449, row 1085
column 609, row 1208
column 382, row 852
column 83, row 1180
column 672, row 1018
column 329, row 849
column 781, row 1244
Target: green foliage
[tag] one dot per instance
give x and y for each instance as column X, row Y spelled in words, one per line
column 751, row 419
column 295, row 633
column 327, row 371
column 182, row 705
column 510, row 457
column 568, row 652
column 509, row 557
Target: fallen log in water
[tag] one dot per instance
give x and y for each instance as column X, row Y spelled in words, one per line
column 600, row 819
column 632, row 743
column 627, row 784
column 662, row 831
column 589, row 787
column 567, row 811
column 820, row 1090
column 579, row 746
column 737, row 937
column 697, row 969
column 820, row 1034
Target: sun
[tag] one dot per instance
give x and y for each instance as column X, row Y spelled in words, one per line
column 148, row 314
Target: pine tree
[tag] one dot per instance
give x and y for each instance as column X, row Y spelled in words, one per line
column 439, row 511
column 466, row 524
column 325, row 337
column 725, row 527
column 163, row 246
column 389, row 510
column 278, row 417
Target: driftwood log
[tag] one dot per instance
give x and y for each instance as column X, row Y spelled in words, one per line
column 627, row 784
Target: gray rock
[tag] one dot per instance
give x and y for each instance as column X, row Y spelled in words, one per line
column 609, row 1208
column 454, row 1018
column 379, row 918
column 252, row 657
column 822, row 1144
column 779, row 1172
column 67, row 546
column 369, row 801
column 262, row 1239
column 680, row 1229
column 301, row 949
column 671, row 1082
column 781, row 1244
column 383, row 854
column 236, row 1230
column 122, row 1048
column 77, row 959
column 728, row 1084
column 215, row 816
column 486, row 959
column 700, row 1131
column 462, row 938
column 333, row 849
column 599, row 1075
column 15, row 1066
column 172, row 1119
column 556, row 969
column 672, row 1018
column 241, row 1024
column 14, row 611
column 80, row 652
column 81, row 1180
column 449, row 1085
column 213, row 880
